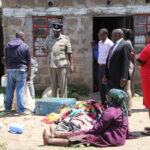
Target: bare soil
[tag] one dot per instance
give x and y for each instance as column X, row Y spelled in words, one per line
column 31, row 139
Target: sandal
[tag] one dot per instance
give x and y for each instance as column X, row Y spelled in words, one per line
column 146, row 133
column 147, row 128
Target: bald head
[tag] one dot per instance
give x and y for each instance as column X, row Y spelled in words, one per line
column 117, row 34
column 20, row 35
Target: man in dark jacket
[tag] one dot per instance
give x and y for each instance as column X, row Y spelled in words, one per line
column 18, row 71
column 117, row 70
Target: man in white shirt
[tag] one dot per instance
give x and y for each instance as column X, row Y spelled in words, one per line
column 104, row 46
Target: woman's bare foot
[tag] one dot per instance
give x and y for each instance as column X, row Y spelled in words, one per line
column 45, row 138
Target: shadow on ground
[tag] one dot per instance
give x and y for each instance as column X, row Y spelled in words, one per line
column 139, row 110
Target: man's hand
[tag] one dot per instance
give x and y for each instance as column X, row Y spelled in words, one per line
column 123, row 82
column 71, row 69
column 104, row 80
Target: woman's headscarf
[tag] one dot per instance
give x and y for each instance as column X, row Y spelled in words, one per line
column 119, row 97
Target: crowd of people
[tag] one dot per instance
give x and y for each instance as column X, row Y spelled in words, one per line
column 115, row 62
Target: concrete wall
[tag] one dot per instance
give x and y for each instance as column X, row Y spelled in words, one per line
column 78, row 25
column 68, row 3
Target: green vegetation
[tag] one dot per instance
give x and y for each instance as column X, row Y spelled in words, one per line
column 138, row 91
column 2, row 90
column 73, row 90
column 38, row 93
column 81, row 90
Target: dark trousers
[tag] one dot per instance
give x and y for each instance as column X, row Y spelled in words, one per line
column 102, row 87
column 95, row 76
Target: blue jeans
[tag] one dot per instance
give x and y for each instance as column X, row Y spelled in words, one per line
column 15, row 80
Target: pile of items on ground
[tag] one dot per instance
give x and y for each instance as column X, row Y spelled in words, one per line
column 81, row 117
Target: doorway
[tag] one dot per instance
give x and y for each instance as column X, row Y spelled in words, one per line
column 1, row 48
column 109, row 22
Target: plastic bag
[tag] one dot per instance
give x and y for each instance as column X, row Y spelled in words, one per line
column 2, row 97
column 29, row 101
column 4, row 81
column 16, row 128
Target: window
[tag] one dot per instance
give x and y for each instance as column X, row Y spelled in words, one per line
column 41, row 29
column 141, row 27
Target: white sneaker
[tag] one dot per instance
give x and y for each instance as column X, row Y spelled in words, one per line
column 24, row 113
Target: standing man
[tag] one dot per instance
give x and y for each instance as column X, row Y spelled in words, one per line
column 18, row 71
column 104, row 46
column 117, row 70
column 59, row 51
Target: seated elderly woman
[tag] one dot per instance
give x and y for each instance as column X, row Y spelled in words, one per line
column 110, row 130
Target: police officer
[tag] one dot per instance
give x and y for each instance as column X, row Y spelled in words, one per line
column 59, row 51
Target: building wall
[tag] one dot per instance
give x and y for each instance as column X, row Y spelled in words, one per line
column 68, row 3
column 78, row 25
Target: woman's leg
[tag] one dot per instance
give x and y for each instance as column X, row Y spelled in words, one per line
column 52, row 141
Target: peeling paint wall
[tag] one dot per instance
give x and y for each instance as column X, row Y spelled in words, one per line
column 78, row 25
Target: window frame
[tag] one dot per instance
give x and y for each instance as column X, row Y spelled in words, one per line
column 147, row 24
column 46, row 26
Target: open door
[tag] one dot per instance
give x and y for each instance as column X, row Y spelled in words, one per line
column 110, row 22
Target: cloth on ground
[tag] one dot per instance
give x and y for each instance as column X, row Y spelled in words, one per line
column 89, row 107
column 76, row 123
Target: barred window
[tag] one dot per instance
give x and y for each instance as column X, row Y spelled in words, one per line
column 141, row 27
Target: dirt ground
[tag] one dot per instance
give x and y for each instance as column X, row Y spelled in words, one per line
column 31, row 139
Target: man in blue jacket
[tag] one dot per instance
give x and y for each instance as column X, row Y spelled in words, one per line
column 18, row 71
